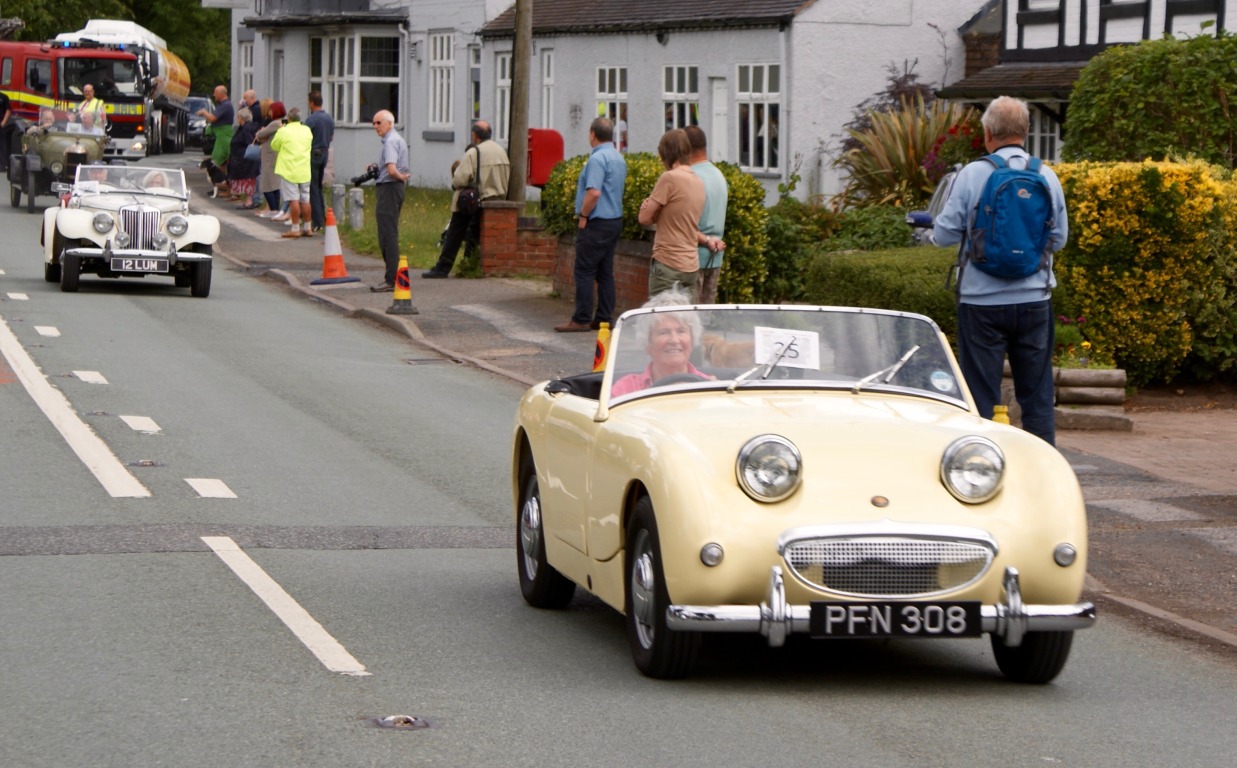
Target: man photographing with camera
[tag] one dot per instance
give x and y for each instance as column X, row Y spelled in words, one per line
column 392, row 178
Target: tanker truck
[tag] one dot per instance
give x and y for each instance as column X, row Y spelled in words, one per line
column 162, row 76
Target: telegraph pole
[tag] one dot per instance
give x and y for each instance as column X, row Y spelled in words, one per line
column 521, row 60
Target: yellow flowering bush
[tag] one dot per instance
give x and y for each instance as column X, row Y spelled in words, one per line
column 1150, row 264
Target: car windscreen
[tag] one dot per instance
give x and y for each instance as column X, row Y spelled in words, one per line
column 114, row 80
column 106, row 179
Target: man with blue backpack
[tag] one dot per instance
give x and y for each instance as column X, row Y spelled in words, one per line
column 1008, row 212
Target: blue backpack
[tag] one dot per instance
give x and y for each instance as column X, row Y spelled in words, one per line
column 1009, row 230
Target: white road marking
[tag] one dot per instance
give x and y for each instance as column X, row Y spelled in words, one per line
column 19, row 297
column 319, row 642
column 90, row 377
column 47, row 330
column 517, row 327
column 141, row 424
column 209, row 488
column 1, row 271
column 93, row 452
column 1147, row 511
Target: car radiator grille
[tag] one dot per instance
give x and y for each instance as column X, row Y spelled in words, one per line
column 888, row 567
column 141, row 224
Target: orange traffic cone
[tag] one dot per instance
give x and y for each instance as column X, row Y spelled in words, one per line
column 333, row 269
column 401, row 299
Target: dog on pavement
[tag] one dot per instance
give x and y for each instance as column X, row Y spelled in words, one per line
column 218, row 176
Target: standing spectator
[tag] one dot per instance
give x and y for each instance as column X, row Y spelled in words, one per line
column 1001, row 315
column 393, row 174
column 4, row 132
column 323, row 128
column 293, row 142
column 249, row 100
column 243, row 173
column 220, row 124
column 675, row 206
column 268, row 180
column 599, row 222
column 713, row 220
column 486, row 168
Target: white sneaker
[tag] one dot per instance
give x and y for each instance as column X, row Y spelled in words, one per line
column 281, row 216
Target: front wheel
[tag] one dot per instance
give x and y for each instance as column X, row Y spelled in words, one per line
column 199, row 286
column 51, row 272
column 1039, row 659
column 541, row 585
column 657, row 650
column 14, row 195
column 70, row 272
column 30, row 187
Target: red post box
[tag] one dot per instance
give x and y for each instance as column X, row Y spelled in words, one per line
column 545, row 150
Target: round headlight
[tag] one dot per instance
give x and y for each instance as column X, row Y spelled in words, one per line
column 57, row 167
column 159, row 240
column 178, row 225
column 972, row 469
column 769, row 468
column 122, row 240
column 102, row 223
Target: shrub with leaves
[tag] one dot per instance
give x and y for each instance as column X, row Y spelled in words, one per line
column 872, row 228
column 795, row 231
column 1151, row 265
column 900, row 87
column 962, row 143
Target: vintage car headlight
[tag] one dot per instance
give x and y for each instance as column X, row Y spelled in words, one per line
column 102, row 223
column 57, row 167
column 972, row 469
column 159, row 240
column 122, row 239
column 178, row 225
column 769, row 468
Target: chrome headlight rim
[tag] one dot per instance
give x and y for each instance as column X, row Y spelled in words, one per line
column 976, row 483
column 177, row 225
column 751, row 462
column 102, row 223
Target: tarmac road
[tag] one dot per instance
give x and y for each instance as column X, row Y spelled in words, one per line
column 1162, row 499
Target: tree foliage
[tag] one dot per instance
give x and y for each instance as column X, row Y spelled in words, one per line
column 200, row 36
column 1158, row 99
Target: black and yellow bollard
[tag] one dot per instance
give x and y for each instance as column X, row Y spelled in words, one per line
column 401, row 300
column 603, row 347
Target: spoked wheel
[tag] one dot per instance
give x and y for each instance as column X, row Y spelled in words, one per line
column 1039, row 659
column 70, row 272
column 657, row 650
column 200, row 282
column 541, row 585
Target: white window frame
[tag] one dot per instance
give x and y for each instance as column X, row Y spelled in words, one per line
column 1044, row 136
column 762, row 98
column 245, row 72
column 474, row 81
column 681, row 95
column 442, row 80
column 342, row 79
column 502, row 96
column 547, row 88
column 612, row 101
column 317, row 69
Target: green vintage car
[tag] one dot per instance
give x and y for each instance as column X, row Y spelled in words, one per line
column 50, row 153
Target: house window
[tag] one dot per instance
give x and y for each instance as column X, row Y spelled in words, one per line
column 502, row 97
column 759, row 101
column 547, row 88
column 1044, row 138
column 612, row 101
column 315, row 66
column 681, row 96
column 361, row 75
column 442, row 79
column 474, row 78
column 245, row 51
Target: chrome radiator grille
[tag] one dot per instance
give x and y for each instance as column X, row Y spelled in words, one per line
column 888, row 566
column 140, row 223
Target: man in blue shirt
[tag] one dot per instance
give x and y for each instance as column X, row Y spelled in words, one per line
column 322, row 125
column 393, row 174
column 599, row 212
column 998, row 315
column 713, row 221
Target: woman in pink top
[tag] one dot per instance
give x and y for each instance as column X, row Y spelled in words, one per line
column 671, row 338
column 675, row 206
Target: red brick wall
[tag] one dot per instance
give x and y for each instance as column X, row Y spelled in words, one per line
column 982, row 52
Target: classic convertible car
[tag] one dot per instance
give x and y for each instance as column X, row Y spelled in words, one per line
column 793, row 469
column 128, row 221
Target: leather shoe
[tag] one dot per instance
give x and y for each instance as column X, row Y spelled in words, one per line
column 573, row 327
column 433, row 275
column 382, row 288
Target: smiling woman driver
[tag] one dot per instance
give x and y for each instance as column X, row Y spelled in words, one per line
column 671, row 338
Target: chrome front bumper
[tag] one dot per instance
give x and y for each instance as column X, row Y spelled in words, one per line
column 108, row 252
column 775, row 618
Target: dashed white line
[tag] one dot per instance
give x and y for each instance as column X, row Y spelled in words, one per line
column 92, row 451
column 209, row 488
column 320, row 643
column 47, row 330
column 143, row 424
column 19, row 297
column 90, row 377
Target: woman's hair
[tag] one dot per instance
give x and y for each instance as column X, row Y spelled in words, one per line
column 264, row 106
column 674, row 147
column 244, row 115
column 278, row 111
column 675, row 297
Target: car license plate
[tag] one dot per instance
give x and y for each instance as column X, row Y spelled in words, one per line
column 895, row 619
column 121, row 264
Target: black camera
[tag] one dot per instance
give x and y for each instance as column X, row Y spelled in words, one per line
column 370, row 173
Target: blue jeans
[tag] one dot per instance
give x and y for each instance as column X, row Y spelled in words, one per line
column 595, row 246
column 1027, row 334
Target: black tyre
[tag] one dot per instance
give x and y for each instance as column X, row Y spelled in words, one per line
column 30, row 188
column 14, row 195
column 183, row 279
column 51, row 272
column 657, row 650
column 199, row 285
column 70, row 272
column 1039, row 659
column 541, row 585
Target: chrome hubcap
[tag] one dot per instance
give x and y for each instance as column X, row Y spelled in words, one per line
column 530, row 533
column 643, row 590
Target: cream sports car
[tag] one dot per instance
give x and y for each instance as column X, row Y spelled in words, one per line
column 795, row 469
column 128, row 221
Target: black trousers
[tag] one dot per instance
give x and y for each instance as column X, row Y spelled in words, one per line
column 317, row 205
column 386, row 215
column 462, row 228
